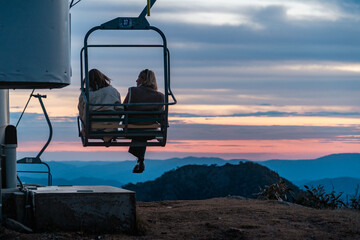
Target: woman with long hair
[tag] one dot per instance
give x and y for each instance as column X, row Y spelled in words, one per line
column 144, row 92
column 100, row 92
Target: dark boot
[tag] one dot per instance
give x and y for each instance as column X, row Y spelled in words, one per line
column 139, row 167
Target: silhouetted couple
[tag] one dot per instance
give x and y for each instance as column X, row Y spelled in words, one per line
column 101, row 92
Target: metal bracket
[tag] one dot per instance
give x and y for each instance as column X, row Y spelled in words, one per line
column 126, row 23
column 130, row 22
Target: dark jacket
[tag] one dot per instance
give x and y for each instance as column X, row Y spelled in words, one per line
column 144, row 94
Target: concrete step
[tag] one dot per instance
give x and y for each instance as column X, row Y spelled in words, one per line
column 75, row 208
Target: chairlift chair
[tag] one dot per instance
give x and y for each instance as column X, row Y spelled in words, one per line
column 126, row 125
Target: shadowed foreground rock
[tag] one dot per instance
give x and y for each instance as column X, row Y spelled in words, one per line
column 228, row 218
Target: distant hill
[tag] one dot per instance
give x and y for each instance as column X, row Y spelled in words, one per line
column 120, row 173
column 203, row 182
column 331, row 166
column 345, row 184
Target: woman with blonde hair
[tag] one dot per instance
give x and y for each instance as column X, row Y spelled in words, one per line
column 144, row 92
column 100, row 92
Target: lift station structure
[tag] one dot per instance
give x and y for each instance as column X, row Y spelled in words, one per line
column 35, row 54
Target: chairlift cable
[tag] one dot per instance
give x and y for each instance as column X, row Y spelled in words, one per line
column 73, row 4
column 20, row 182
column 25, row 107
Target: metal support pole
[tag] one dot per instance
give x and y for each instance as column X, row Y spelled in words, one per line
column 10, row 156
column 146, row 10
column 4, row 121
column 4, row 113
column 9, row 147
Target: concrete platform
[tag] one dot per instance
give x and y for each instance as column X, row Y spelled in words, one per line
column 79, row 208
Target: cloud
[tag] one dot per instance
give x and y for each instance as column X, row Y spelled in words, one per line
column 272, row 121
column 267, row 126
column 317, row 10
column 191, row 12
column 221, row 132
column 210, row 18
column 223, row 110
column 208, row 52
column 261, row 149
column 262, row 62
column 288, row 114
column 253, row 26
column 229, row 141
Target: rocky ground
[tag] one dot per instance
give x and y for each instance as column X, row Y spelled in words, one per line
column 226, row 218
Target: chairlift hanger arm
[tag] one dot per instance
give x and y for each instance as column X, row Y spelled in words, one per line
column 73, row 4
column 146, row 10
column 131, row 23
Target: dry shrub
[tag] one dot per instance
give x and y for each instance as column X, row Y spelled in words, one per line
column 276, row 191
column 316, row 197
column 355, row 200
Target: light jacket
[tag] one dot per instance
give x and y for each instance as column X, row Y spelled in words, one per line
column 105, row 95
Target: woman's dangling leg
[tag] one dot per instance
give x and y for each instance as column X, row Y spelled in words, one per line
column 139, row 152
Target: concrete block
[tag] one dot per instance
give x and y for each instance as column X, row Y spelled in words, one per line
column 13, row 204
column 83, row 208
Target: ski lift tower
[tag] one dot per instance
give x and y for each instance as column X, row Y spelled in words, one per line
column 35, row 54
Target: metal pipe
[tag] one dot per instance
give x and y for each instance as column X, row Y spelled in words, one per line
column 4, row 122
column 4, row 113
column 145, row 10
column 124, row 45
column 166, row 72
column 86, row 72
column 10, row 156
column 166, row 61
column 38, row 96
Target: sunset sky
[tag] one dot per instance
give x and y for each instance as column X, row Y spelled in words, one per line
column 260, row 79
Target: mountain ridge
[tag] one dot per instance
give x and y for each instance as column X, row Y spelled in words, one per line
column 195, row 182
column 330, row 166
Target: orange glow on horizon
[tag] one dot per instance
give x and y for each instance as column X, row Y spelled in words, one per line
column 271, row 121
column 271, row 147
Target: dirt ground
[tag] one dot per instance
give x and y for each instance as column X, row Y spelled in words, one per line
column 227, row 218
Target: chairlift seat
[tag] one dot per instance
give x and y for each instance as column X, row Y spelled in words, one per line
column 120, row 125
